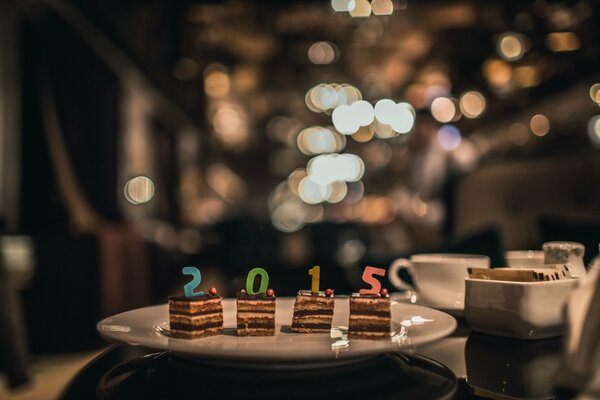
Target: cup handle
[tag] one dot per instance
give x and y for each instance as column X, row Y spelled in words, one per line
column 397, row 265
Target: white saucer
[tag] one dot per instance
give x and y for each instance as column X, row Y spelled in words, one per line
column 412, row 325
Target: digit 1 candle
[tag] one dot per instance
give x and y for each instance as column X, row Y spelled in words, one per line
column 189, row 288
column 368, row 277
column 315, row 273
column 264, row 281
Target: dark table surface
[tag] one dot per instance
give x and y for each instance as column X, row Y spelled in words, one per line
column 466, row 365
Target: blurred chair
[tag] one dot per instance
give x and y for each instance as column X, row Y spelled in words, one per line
column 513, row 196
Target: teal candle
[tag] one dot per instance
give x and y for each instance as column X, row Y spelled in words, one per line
column 189, row 288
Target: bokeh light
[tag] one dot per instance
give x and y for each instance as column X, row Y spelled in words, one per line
column 511, row 46
column 595, row 93
column 344, row 120
column 216, row 81
column 321, row 53
column 341, row 5
column 497, row 72
column 139, row 190
column 562, row 41
column 449, row 137
column 594, row 130
column 443, row 109
column 382, row 7
column 312, row 192
column 327, row 168
column 539, row 125
column 362, row 8
column 472, row 104
column 318, row 140
column 385, row 110
column 339, row 190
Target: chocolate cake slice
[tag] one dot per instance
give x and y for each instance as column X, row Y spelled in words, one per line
column 256, row 314
column 195, row 317
column 370, row 316
column 313, row 312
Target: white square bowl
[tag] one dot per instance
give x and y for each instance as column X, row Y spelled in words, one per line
column 521, row 310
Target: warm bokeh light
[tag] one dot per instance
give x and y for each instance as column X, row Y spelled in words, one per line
column 362, row 8
column 383, row 131
column 511, row 46
column 139, row 190
column 312, row 192
column 539, row 125
column 527, row 76
column 497, row 72
column 594, row 130
column 318, row 140
column 364, row 134
column 443, row 109
column 339, row 190
column 562, row 41
column 518, row 134
column 216, row 83
column 231, row 128
column 324, row 97
column 449, row 137
column 472, row 104
column 323, row 53
column 595, row 93
column 382, row 7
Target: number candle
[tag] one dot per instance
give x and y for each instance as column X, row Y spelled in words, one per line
column 264, row 282
column 315, row 272
column 189, row 288
column 368, row 277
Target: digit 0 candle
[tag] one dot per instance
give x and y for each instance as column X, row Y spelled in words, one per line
column 256, row 309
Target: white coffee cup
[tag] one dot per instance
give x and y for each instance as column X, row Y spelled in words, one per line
column 524, row 258
column 438, row 278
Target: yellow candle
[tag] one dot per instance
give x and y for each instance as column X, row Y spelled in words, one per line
column 315, row 272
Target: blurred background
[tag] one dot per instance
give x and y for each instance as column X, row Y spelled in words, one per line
column 138, row 137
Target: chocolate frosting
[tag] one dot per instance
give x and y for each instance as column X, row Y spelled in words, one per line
column 260, row 296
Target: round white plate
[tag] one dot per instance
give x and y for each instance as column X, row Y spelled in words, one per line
column 412, row 297
column 412, row 325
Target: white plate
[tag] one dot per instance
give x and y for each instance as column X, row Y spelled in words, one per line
column 411, row 326
column 412, row 297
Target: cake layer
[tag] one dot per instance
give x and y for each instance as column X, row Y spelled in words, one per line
column 256, row 305
column 304, row 312
column 194, row 305
column 185, row 334
column 211, row 310
column 181, row 326
column 197, row 320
